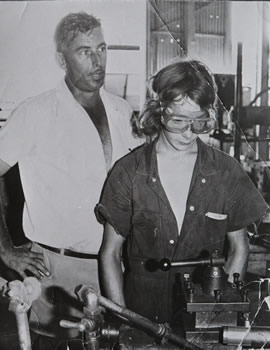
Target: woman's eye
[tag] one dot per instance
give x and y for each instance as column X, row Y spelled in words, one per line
column 199, row 124
column 180, row 120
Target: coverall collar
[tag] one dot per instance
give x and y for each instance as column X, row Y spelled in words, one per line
column 205, row 162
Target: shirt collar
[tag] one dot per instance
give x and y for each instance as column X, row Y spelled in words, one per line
column 65, row 94
column 63, row 89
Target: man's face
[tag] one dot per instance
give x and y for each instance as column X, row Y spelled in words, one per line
column 85, row 60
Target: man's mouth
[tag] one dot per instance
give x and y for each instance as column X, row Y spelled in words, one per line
column 98, row 74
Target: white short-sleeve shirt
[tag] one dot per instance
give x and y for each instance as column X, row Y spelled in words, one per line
column 62, row 164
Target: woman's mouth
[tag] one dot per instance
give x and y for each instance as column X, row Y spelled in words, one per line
column 185, row 143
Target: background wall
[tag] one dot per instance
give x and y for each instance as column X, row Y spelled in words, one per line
column 247, row 28
column 209, row 31
column 27, row 54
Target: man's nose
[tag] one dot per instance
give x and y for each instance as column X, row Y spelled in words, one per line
column 95, row 59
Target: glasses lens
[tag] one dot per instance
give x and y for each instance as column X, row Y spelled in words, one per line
column 203, row 126
column 175, row 124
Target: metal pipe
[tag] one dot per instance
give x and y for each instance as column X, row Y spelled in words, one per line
column 21, row 295
column 23, row 331
column 158, row 330
column 251, row 337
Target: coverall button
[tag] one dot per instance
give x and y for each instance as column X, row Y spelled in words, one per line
column 203, row 181
column 154, row 179
column 171, row 241
column 191, row 208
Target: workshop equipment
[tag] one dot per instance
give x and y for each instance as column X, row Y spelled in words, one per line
column 21, row 295
column 92, row 324
column 213, row 303
column 228, row 306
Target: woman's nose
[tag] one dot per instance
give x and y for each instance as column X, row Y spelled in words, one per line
column 188, row 133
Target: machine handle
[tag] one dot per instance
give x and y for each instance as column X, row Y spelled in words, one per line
column 166, row 264
column 83, row 326
column 73, row 325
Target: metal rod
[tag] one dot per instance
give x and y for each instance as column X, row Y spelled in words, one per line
column 23, row 331
column 238, row 103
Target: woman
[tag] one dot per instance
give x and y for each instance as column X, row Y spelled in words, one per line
column 175, row 197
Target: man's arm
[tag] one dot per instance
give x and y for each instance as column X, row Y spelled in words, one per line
column 111, row 274
column 238, row 254
column 18, row 259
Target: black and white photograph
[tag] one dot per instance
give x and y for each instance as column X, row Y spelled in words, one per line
column 134, row 175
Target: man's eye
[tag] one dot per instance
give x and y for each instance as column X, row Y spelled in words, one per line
column 84, row 52
column 103, row 49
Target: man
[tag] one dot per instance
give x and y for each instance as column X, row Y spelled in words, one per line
column 64, row 140
column 175, row 198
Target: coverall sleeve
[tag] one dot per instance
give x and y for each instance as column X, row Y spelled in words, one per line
column 245, row 203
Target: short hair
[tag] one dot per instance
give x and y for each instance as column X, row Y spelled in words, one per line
column 190, row 79
column 70, row 25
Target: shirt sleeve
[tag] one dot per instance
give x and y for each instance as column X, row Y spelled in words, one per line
column 115, row 206
column 245, row 203
column 17, row 135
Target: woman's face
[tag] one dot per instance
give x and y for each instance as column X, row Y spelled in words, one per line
column 177, row 120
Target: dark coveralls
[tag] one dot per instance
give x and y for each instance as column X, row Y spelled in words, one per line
column 221, row 199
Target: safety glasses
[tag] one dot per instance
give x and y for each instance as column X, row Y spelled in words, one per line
column 178, row 124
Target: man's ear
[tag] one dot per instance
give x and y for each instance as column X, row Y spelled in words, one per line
column 61, row 60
